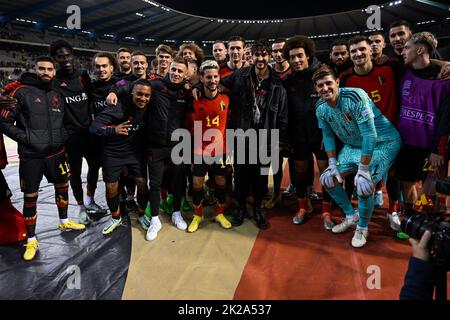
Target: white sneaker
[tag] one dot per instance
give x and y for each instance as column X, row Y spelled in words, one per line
column 178, row 221
column 345, row 225
column 394, row 221
column 360, row 238
column 152, row 231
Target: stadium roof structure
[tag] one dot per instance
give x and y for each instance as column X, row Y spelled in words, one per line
column 149, row 21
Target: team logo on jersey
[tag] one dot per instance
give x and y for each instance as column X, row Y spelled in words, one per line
column 222, row 105
column 77, row 98
column 406, row 88
column 347, row 117
column 56, row 103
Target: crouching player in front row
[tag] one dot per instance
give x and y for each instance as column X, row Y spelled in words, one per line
column 122, row 129
column 371, row 144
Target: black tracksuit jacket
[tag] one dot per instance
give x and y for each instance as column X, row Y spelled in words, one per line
column 37, row 122
column 242, row 102
column 75, row 89
column 105, row 123
column 302, row 97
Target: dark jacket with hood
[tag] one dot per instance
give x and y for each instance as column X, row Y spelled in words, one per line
column 302, row 97
column 275, row 114
column 37, row 122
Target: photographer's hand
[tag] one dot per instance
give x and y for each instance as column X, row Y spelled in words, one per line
column 420, row 248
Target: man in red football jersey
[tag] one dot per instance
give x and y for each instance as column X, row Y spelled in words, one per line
column 210, row 112
column 380, row 83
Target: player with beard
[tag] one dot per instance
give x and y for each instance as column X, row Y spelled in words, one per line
column 339, row 56
column 258, row 101
column 123, row 56
column 340, row 61
column 219, row 50
column 37, row 124
column 377, row 44
column 122, row 129
column 304, row 133
column 399, row 33
column 123, row 87
column 75, row 86
column 380, row 83
column 211, row 111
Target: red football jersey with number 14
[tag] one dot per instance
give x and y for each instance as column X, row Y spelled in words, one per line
column 213, row 114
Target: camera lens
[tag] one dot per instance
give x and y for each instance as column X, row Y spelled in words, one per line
column 416, row 225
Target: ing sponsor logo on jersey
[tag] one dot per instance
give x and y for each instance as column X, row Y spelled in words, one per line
column 100, row 104
column 63, row 84
column 222, row 105
column 37, row 100
column 78, row 98
column 347, row 117
column 381, row 79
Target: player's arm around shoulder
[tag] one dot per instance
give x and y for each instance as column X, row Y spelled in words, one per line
column 104, row 123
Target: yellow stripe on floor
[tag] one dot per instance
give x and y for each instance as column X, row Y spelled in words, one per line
column 206, row 264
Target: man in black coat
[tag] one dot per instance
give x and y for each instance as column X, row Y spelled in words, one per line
column 258, row 101
column 37, row 124
column 122, row 129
